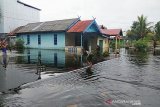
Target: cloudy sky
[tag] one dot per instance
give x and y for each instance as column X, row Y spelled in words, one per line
column 111, row 13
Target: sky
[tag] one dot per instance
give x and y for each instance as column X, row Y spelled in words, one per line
column 110, row 13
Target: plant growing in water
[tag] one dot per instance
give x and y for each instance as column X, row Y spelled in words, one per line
column 19, row 44
column 141, row 45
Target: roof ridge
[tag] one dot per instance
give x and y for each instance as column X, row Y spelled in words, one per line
column 38, row 26
column 52, row 21
column 85, row 20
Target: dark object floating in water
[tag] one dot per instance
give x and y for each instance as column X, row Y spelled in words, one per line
column 89, row 70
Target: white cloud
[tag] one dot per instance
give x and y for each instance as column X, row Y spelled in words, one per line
column 111, row 13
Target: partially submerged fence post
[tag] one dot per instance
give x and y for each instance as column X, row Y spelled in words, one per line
column 40, row 68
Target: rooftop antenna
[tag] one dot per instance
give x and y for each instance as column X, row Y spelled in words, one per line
column 79, row 16
column 93, row 18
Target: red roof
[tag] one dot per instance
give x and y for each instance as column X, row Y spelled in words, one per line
column 112, row 32
column 80, row 26
column 104, row 31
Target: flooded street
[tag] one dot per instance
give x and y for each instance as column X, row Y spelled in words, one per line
column 130, row 77
column 21, row 67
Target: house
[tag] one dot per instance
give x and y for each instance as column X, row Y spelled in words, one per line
column 14, row 13
column 115, row 35
column 46, row 35
column 87, row 34
column 69, row 34
column 12, row 36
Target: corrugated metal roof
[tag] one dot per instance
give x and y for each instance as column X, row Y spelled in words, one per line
column 57, row 25
column 80, row 26
column 112, row 32
column 13, row 33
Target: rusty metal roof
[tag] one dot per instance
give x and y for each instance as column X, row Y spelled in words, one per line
column 112, row 32
column 80, row 26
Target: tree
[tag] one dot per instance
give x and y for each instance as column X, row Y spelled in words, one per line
column 157, row 30
column 141, row 27
column 131, row 35
column 19, row 44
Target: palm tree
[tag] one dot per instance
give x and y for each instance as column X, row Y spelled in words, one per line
column 141, row 27
column 157, row 30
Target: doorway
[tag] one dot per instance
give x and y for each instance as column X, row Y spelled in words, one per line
column 101, row 45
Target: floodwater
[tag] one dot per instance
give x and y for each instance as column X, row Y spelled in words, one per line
column 19, row 68
column 131, row 80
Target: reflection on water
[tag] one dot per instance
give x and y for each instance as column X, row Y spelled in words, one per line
column 50, row 58
column 137, row 57
column 156, row 52
column 21, row 67
column 4, row 60
column 128, row 77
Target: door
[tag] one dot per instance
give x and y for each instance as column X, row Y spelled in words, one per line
column 86, row 47
column 101, row 45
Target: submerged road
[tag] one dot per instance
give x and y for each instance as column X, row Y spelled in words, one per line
column 128, row 81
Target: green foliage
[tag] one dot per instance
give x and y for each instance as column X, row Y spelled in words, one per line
column 139, row 28
column 106, row 53
column 19, row 44
column 150, row 35
column 112, row 44
column 131, row 35
column 141, row 45
column 157, row 30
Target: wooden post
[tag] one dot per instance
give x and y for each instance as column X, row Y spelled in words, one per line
column 81, row 41
column 81, row 48
column 119, row 44
column 116, row 46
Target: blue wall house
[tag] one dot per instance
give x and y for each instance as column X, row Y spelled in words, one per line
column 46, row 35
column 88, row 35
column 69, row 35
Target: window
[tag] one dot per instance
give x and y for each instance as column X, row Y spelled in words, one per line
column 39, row 39
column 28, row 39
column 55, row 39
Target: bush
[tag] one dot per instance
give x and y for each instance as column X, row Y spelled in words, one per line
column 19, row 44
column 106, row 53
column 141, row 45
column 112, row 44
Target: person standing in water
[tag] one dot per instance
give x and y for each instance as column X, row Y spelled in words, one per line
column 3, row 45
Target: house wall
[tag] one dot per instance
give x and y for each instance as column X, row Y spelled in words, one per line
column 47, row 40
column 1, row 18
column 47, row 57
column 92, row 28
column 15, row 14
column 105, row 43
column 93, row 43
column 70, row 39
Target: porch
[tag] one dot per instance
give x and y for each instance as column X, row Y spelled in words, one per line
column 83, row 35
column 75, row 42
